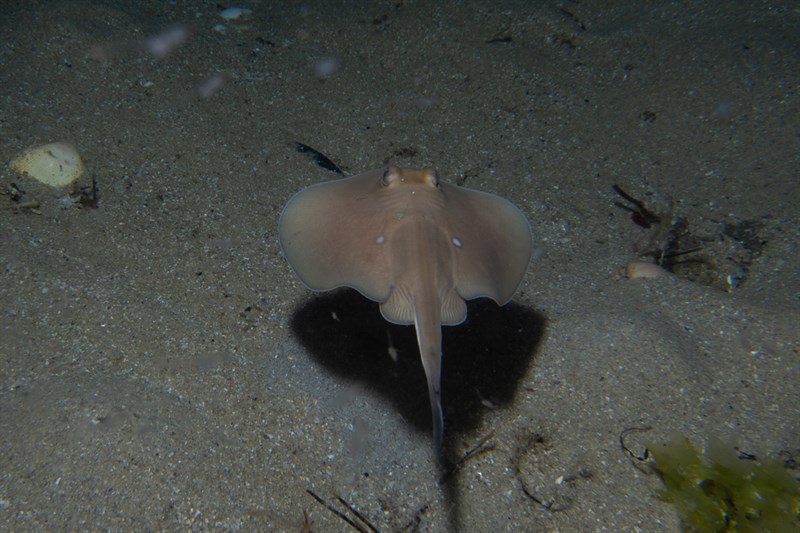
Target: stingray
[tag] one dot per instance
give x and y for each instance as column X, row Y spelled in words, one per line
column 415, row 244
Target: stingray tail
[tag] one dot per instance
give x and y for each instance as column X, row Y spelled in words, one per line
column 438, row 417
column 429, row 340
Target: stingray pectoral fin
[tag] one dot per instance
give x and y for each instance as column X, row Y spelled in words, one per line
column 492, row 243
column 332, row 235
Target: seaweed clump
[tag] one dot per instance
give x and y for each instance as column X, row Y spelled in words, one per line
column 720, row 491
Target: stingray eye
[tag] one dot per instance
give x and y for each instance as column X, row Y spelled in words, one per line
column 386, row 177
column 390, row 175
column 433, row 178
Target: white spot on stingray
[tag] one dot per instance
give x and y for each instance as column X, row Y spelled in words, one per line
column 457, row 242
column 380, row 239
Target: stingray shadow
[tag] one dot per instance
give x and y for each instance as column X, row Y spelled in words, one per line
column 483, row 359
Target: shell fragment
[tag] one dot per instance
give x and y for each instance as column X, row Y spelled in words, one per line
column 56, row 164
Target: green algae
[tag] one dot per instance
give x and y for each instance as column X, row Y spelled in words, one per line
column 718, row 491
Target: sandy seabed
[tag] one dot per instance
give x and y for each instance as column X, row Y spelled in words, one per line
column 163, row 369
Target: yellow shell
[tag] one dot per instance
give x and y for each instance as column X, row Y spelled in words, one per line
column 640, row 269
column 55, row 164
